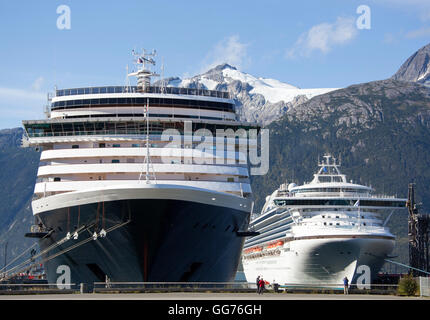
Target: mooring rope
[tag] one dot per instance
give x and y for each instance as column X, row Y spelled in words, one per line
column 16, row 258
column 60, row 252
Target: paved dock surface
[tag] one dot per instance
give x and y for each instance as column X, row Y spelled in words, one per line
column 204, row 296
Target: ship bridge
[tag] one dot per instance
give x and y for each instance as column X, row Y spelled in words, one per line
column 329, row 182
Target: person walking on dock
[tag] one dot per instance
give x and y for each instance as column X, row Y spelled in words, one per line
column 345, row 285
column 107, row 282
column 257, row 282
column 261, row 286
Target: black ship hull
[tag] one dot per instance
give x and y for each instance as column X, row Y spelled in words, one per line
column 164, row 240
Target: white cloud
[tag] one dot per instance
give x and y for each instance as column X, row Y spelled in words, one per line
column 323, row 37
column 37, row 84
column 229, row 50
column 420, row 8
column 20, row 104
column 389, row 38
column 17, row 104
column 24, row 95
column 418, row 33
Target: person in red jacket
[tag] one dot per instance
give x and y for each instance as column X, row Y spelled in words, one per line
column 261, row 284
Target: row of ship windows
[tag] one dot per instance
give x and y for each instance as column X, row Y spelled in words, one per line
column 312, row 210
column 57, row 179
column 338, row 224
column 370, row 217
column 143, row 101
column 101, row 127
column 285, row 249
column 355, row 190
column 136, row 145
column 151, row 89
column 117, row 145
column 155, row 145
column 151, row 115
column 329, row 217
column 339, row 202
column 263, row 254
column 154, row 160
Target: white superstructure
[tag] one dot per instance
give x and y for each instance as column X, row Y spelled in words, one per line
column 100, row 137
column 150, row 173
column 320, row 232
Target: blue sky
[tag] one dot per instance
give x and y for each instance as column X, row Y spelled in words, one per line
column 309, row 44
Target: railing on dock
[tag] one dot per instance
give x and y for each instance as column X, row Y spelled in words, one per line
column 170, row 286
column 159, row 287
column 424, row 283
column 36, row 288
column 238, row 287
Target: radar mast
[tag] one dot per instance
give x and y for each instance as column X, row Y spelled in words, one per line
column 143, row 74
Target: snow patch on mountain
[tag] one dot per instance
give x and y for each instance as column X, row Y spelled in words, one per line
column 261, row 100
column 208, row 83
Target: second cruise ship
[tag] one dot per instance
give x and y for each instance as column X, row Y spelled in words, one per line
column 318, row 233
column 135, row 184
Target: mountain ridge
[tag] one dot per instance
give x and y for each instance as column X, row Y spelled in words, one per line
column 416, row 68
column 260, row 100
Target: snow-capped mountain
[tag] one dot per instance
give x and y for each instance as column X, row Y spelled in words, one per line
column 257, row 99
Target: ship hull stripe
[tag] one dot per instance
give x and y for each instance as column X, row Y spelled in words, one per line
column 141, row 191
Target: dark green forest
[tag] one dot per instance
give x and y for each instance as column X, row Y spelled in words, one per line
column 383, row 141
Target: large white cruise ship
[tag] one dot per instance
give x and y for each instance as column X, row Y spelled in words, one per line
column 136, row 183
column 318, row 233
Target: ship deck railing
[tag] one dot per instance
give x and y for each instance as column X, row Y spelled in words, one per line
column 151, row 89
column 365, row 228
column 153, row 133
column 354, row 195
column 117, row 132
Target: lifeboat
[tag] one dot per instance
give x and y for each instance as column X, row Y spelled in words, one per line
column 275, row 244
